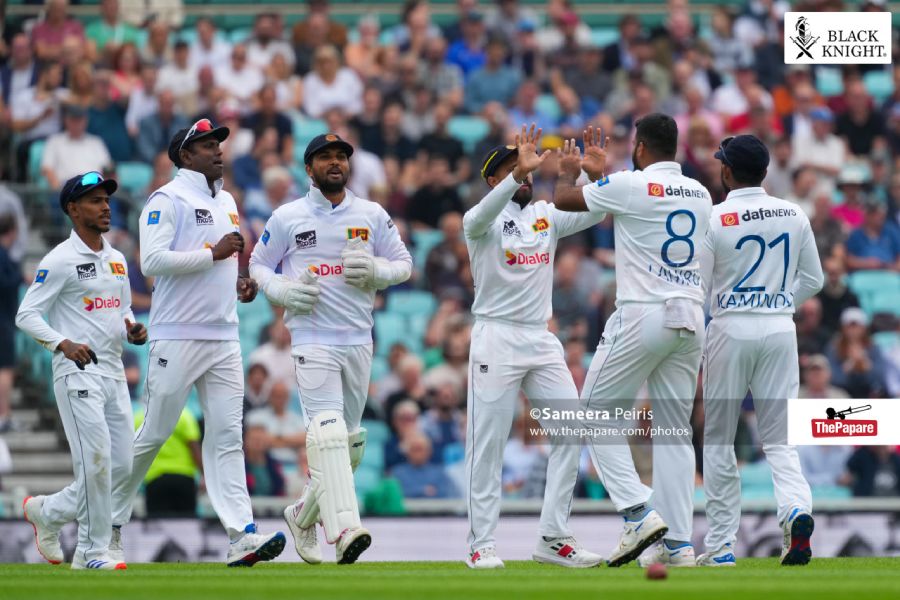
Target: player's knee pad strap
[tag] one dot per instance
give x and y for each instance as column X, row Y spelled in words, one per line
column 329, row 467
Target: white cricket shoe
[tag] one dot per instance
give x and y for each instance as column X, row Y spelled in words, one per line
column 254, row 547
column 723, row 557
column 798, row 529
column 45, row 538
column 305, row 540
column 116, row 550
column 485, row 558
column 636, row 537
column 101, row 564
column 351, row 544
column 682, row 556
column 566, row 552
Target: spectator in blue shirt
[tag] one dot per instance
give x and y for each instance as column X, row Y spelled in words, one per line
column 418, row 476
column 875, row 245
column 157, row 129
column 106, row 119
column 468, row 52
column 526, row 111
column 494, row 81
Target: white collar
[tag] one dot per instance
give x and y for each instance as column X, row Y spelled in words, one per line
column 82, row 248
column 321, row 202
column 198, row 181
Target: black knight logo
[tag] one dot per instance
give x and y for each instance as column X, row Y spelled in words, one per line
column 204, row 217
column 804, row 39
column 306, row 239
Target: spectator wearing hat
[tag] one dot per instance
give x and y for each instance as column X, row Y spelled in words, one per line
column 857, row 365
column 565, row 54
column 494, row 81
column 73, row 150
column 469, row 51
column 821, row 149
column 861, row 126
column 329, row 85
column 156, row 129
column 876, row 244
column 817, row 379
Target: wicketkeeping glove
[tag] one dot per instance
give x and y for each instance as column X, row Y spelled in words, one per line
column 299, row 297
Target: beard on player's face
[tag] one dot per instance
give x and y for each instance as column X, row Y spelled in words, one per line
column 722, row 177
column 524, row 194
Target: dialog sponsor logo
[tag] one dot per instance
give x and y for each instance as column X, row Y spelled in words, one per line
column 98, row 303
column 520, row 258
column 326, row 270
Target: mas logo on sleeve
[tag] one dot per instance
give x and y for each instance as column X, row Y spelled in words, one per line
column 153, row 218
column 265, row 237
column 86, row 271
column 358, row 232
column 730, row 219
column 203, row 216
column 306, row 239
column 655, row 190
column 41, row 276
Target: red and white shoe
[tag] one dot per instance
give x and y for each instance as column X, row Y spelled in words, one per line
column 45, row 538
column 485, row 558
column 566, row 552
column 99, row 564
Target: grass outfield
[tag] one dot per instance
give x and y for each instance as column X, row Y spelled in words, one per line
column 759, row 579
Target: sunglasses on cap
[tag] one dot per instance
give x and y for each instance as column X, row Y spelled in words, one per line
column 91, row 178
column 724, row 143
column 201, row 126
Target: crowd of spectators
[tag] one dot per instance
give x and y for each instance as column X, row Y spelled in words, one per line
column 106, row 92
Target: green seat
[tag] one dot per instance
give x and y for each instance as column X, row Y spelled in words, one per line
column 884, row 302
column 134, row 177
column 886, row 340
column 35, row 153
column 425, row 240
column 304, row 131
column 604, row 36
column 411, row 303
column 468, row 130
column 380, row 368
column 391, row 328
column 869, row 286
column 828, row 82
column 880, row 84
column 546, row 104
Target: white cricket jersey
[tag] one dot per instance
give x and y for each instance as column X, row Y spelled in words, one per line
column 660, row 220
column 511, row 250
column 759, row 256
column 194, row 297
column 309, row 233
column 85, row 297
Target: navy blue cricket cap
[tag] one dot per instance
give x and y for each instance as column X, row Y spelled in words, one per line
column 744, row 152
column 80, row 185
column 495, row 158
column 320, row 142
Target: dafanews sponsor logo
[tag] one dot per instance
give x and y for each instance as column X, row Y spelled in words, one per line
column 86, row 271
column 656, row 190
column 520, row 258
column 837, row 38
column 306, row 239
column 764, row 213
column 683, row 192
column 203, row 216
column 326, row 270
column 730, row 219
column 91, row 304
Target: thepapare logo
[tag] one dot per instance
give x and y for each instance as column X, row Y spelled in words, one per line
column 762, row 214
column 98, row 303
column 655, row 190
column 540, row 225
column 358, row 232
column 836, row 424
column 837, row 38
column 203, row 216
column 520, row 258
column 325, row 270
column 729, row 219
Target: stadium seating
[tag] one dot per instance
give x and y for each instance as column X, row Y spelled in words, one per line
column 134, row 177
column 468, row 130
column 877, row 290
column 424, row 240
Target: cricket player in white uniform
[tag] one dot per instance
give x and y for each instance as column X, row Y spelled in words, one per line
column 82, row 290
column 189, row 243
column 336, row 250
column 512, row 243
column 758, row 262
column 654, row 336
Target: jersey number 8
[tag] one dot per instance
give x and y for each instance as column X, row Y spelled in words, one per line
column 674, row 237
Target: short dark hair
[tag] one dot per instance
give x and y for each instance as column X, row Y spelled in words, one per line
column 659, row 134
column 745, row 177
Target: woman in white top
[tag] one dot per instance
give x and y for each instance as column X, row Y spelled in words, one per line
column 329, row 85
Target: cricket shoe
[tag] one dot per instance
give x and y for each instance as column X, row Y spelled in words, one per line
column 351, row 544
column 636, row 537
column 116, row 550
column 723, row 557
column 798, row 529
column 566, row 552
column 679, row 556
column 485, row 558
column 101, row 564
column 45, row 538
column 254, row 547
column 305, row 540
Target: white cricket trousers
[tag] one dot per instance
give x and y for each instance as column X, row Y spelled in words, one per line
column 333, row 378
column 637, row 347
column 756, row 353
column 215, row 368
column 504, row 359
column 99, row 425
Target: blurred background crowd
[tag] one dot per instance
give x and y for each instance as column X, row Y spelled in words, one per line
column 422, row 90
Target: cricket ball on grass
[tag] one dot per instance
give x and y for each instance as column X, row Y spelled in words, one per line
column 657, row 571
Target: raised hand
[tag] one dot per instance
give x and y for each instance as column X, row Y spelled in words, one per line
column 569, row 160
column 595, row 143
column 528, row 160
